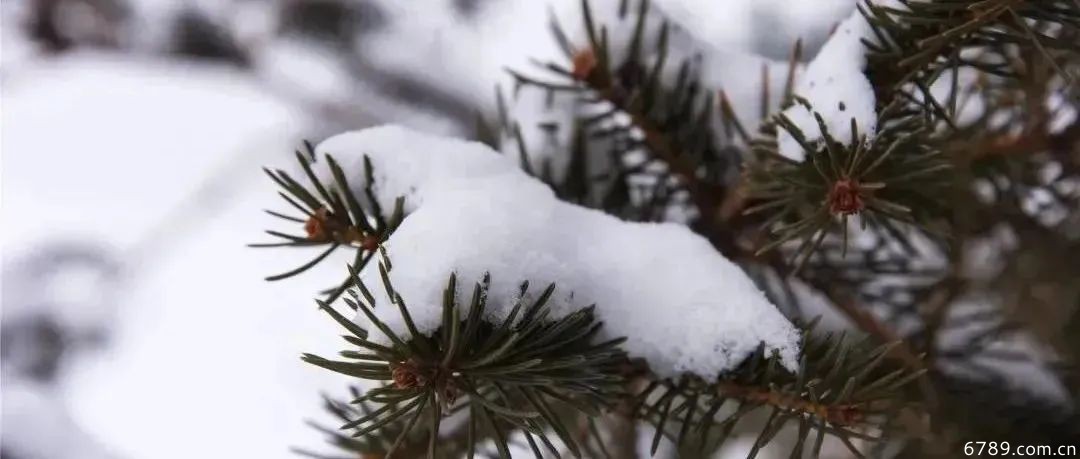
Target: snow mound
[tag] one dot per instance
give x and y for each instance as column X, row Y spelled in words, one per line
column 836, row 88
column 682, row 306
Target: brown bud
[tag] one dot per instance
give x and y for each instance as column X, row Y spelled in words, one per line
column 370, row 242
column 315, row 226
column 406, row 375
column 584, row 63
column 845, row 198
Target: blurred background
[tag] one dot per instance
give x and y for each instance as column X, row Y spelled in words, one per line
column 135, row 322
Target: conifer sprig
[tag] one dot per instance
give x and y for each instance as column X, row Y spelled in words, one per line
column 375, row 444
column 917, row 42
column 898, row 178
column 332, row 215
column 636, row 108
column 908, row 175
column 541, row 377
column 527, row 373
column 843, row 388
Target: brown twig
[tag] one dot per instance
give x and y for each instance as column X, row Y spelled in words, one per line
column 842, row 414
column 1029, row 142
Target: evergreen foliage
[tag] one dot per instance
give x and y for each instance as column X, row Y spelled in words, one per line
column 332, row 216
column 925, row 190
column 524, row 373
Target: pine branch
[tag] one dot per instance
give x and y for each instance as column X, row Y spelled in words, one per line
column 916, row 43
column 332, row 216
column 375, row 444
column 658, row 142
column 842, row 388
column 898, row 177
column 669, row 120
column 1034, row 138
column 903, row 177
column 517, row 374
column 1027, row 143
column 593, row 75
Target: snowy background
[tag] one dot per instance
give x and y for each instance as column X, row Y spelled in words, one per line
column 136, row 323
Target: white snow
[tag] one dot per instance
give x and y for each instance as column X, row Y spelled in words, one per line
column 17, row 48
column 409, row 163
column 836, row 88
column 765, row 27
column 208, row 348
column 682, row 306
column 138, row 127
column 466, row 57
column 740, row 77
column 160, row 161
column 469, row 57
column 1063, row 113
column 37, row 425
column 305, row 69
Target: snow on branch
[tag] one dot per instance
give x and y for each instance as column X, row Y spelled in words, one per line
column 836, row 88
column 682, row 306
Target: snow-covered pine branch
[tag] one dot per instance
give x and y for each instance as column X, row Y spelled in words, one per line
column 857, row 138
column 620, row 294
column 682, row 306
